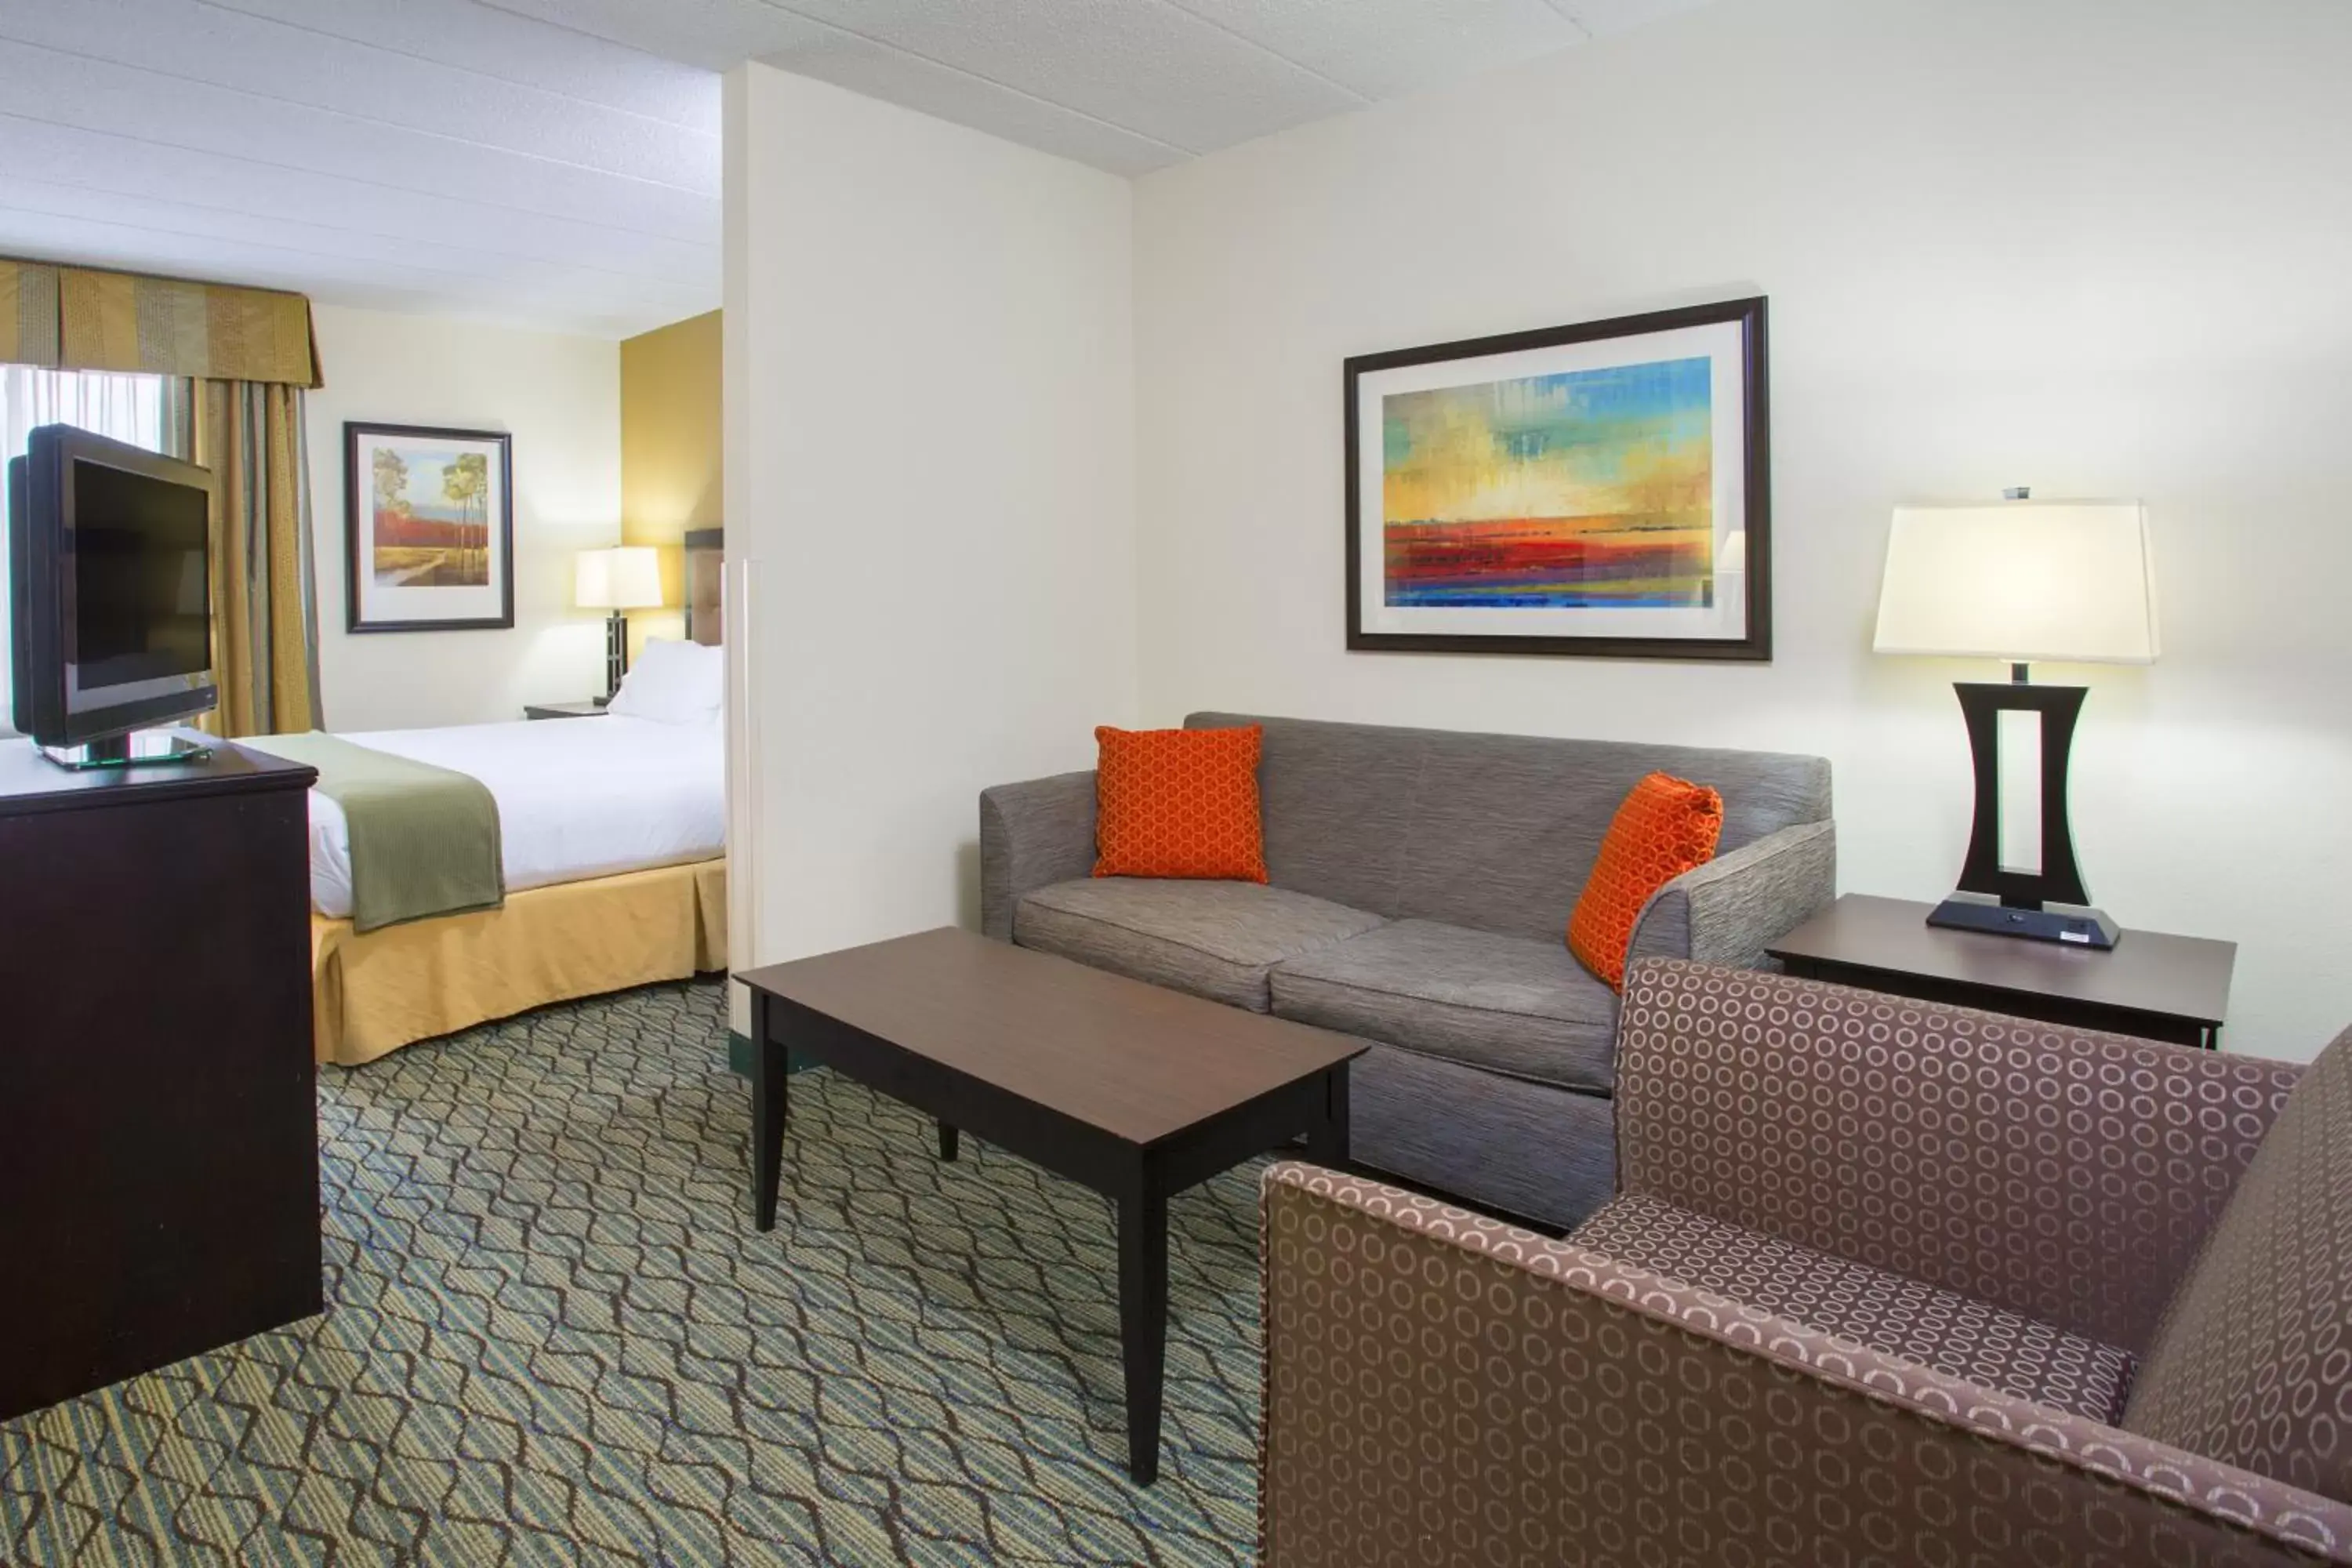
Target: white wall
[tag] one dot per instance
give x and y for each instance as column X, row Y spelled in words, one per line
column 2098, row 247
column 559, row 396
column 930, row 477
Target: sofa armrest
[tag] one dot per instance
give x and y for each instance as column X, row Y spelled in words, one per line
column 2064, row 1174
column 1031, row 835
column 1441, row 1388
column 1730, row 910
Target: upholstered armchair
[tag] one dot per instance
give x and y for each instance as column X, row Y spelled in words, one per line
column 1886, row 1282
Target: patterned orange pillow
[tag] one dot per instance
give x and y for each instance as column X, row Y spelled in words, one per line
column 1666, row 827
column 1179, row 802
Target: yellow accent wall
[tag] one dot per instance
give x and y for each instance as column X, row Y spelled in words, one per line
column 670, row 434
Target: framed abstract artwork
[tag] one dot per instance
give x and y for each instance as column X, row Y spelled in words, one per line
column 428, row 528
column 1599, row 490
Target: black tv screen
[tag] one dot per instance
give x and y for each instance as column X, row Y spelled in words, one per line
column 110, row 588
column 142, row 608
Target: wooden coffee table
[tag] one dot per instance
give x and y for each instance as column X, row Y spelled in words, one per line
column 1135, row 1090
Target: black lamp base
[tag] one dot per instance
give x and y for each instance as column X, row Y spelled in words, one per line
column 616, row 655
column 2073, row 925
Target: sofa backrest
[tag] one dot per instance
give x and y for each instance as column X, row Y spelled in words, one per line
column 2252, row 1362
column 1493, row 831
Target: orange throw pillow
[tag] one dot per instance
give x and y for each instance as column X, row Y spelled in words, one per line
column 1179, row 802
column 1666, row 827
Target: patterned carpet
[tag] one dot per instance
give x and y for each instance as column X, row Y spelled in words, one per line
column 553, row 1337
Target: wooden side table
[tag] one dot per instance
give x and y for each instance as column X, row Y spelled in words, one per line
column 563, row 710
column 2150, row 985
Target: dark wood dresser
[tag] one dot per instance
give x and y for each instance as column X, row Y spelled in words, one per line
column 159, row 1155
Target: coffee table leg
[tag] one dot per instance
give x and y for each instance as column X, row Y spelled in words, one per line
column 1326, row 1141
column 947, row 1141
column 770, row 1062
column 1143, row 1317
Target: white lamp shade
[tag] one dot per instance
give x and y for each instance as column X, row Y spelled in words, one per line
column 625, row 577
column 2071, row 581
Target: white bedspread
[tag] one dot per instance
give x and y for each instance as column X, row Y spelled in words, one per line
column 577, row 798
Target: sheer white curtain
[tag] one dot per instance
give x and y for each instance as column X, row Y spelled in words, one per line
column 135, row 408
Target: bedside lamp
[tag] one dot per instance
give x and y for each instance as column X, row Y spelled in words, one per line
column 2027, row 580
column 625, row 577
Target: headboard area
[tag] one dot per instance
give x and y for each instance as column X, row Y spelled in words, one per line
column 706, row 558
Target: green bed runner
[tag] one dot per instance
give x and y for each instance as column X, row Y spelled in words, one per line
column 423, row 840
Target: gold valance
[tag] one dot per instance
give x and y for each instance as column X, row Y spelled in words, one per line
column 76, row 318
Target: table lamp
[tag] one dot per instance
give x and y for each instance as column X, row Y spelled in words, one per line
column 625, row 577
column 2024, row 580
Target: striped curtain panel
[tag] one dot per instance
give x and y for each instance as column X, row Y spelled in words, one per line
column 265, row 611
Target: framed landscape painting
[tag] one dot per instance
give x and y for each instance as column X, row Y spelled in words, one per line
column 428, row 518
column 1600, row 489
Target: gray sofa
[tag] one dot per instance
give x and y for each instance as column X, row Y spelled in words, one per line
column 1422, row 882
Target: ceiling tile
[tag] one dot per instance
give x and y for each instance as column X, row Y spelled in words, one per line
column 1142, row 64
column 1604, row 18
column 602, row 311
column 445, row 100
column 512, row 47
column 715, row 35
column 416, row 255
column 105, row 165
column 1382, row 49
column 895, row 76
column 71, row 90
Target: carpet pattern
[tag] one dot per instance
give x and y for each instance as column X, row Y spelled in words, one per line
column 553, row 1337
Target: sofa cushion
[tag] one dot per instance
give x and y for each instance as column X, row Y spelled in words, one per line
column 1953, row 1334
column 1213, row 939
column 2251, row 1363
column 1506, row 1004
column 1493, row 831
column 1539, row 1152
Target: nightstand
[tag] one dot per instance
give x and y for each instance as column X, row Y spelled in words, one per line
column 563, row 710
column 2156, row 987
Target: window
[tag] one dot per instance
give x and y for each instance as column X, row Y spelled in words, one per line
column 135, row 408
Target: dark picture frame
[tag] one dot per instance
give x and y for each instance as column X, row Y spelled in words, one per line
column 1753, row 470
column 361, row 580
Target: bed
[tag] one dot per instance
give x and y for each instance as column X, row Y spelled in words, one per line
column 612, row 836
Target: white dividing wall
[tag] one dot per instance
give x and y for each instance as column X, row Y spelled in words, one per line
column 930, row 481
column 560, row 398
column 2098, row 247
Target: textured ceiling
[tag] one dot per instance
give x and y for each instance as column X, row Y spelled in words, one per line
column 557, row 161
column 1128, row 85
column 411, row 154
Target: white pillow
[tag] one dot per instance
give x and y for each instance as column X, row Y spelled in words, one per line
column 674, row 682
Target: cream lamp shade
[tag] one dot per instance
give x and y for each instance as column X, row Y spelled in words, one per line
column 2021, row 581
column 625, row 577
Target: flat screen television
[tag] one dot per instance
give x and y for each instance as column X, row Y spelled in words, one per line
column 110, row 590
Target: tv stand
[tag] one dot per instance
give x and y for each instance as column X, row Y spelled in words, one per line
column 140, row 748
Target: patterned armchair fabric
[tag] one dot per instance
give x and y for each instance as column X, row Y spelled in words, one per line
column 2253, row 1362
column 2064, row 1175
column 1880, row 1276
column 1942, row 1329
column 1441, row 1389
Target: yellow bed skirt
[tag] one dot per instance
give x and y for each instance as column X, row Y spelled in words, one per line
column 374, row 993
